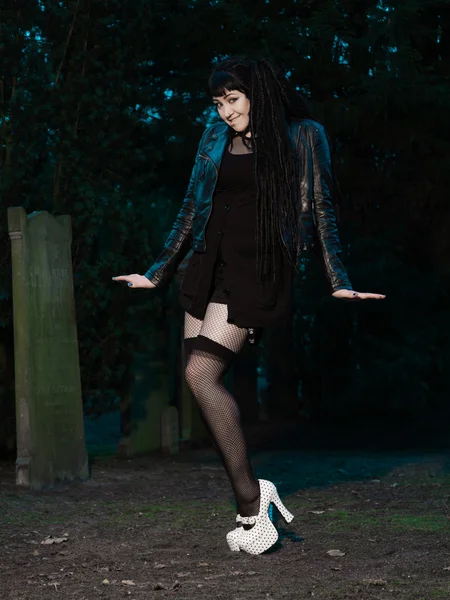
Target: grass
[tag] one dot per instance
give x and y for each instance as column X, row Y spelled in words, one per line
column 440, row 593
column 111, row 512
column 421, row 522
column 194, row 513
column 343, row 520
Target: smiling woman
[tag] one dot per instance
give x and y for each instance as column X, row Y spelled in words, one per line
column 261, row 191
column 234, row 108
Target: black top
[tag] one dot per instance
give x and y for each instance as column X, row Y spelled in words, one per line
column 226, row 272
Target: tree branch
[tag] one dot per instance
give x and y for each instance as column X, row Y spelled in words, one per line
column 67, row 42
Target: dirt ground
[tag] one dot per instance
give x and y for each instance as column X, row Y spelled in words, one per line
column 155, row 528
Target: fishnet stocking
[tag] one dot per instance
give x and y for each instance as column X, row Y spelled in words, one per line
column 216, row 328
column 192, row 326
column 204, row 375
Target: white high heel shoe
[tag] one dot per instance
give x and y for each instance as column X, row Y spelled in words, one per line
column 263, row 534
column 233, row 536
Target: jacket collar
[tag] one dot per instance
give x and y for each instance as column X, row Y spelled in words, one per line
column 216, row 143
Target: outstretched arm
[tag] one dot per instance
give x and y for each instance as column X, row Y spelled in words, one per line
column 327, row 229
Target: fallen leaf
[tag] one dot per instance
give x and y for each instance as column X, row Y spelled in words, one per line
column 159, row 586
column 335, row 553
column 55, row 584
column 374, row 581
column 53, row 540
column 128, row 582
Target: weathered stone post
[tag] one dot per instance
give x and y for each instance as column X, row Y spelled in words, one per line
column 50, row 430
column 142, row 409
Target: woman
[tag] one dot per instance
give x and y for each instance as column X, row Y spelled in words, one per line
column 260, row 192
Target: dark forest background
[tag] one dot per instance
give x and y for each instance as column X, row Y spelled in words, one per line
column 102, row 104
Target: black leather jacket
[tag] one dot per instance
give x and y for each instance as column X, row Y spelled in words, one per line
column 315, row 186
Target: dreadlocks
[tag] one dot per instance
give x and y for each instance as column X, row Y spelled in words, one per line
column 273, row 101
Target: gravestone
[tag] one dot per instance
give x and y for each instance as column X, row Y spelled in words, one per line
column 170, row 435
column 49, row 413
column 142, row 408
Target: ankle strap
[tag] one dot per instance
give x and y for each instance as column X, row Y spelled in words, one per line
column 246, row 520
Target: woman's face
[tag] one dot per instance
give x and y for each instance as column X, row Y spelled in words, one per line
column 234, row 108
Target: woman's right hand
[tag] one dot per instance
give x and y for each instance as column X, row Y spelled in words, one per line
column 135, row 281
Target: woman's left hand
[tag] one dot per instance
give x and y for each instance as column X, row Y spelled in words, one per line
column 355, row 296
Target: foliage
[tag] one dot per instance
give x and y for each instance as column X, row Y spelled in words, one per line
column 102, row 105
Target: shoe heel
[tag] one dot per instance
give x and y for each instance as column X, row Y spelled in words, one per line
column 287, row 516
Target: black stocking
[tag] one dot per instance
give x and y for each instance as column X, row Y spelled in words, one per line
column 212, row 345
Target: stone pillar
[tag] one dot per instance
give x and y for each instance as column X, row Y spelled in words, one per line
column 49, row 413
column 170, row 433
column 142, row 410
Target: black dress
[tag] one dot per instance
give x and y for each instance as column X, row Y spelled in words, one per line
column 226, row 272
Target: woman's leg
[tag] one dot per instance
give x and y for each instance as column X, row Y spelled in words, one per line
column 211, row 353
column 192, row 327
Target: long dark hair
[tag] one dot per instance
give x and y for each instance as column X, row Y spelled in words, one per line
column 273, row 102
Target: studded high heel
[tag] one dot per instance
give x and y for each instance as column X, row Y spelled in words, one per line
column 263, row 534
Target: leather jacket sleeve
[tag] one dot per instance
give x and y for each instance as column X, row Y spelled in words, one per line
column 179, row 240
column 324, row 213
